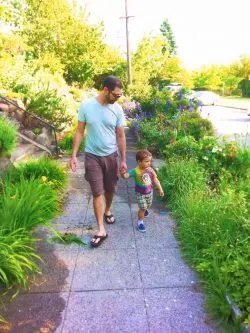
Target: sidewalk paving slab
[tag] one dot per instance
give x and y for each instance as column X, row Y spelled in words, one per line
column 113, row 311
column 100, row 269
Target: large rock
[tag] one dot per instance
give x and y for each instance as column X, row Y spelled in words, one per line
column 44, row 138
column 31, row 135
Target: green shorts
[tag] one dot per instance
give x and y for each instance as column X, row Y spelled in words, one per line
column 144, row 200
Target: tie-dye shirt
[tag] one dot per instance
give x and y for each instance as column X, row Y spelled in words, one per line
column 143, row 179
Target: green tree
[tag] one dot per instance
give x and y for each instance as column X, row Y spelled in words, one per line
column 173, row 71
column 60, row 39
column 148, row 61
column 244, row 67
column 209, row 77
column 167, row 32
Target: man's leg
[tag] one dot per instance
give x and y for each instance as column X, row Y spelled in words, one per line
column 108, row 202
column 94, row 175
column 98, row 210
column 110, row 181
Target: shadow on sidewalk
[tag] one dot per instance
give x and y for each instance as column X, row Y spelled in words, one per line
column 40, row 309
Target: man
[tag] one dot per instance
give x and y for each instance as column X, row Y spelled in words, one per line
column 104, row 122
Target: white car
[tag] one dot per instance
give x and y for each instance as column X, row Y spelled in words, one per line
column 173, row 87
column 207, row 97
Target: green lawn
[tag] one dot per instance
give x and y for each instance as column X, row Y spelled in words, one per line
column 235, row 101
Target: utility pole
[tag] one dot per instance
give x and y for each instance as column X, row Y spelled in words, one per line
column 126, row 17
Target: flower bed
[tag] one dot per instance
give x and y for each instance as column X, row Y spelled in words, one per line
column 207, row 188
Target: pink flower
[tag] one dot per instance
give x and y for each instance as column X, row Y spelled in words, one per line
column 172, row 141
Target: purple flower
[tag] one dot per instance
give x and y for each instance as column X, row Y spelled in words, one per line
column 181, row 96
column 138, row 106
column 138, row 118
column 156, row 101
column 149, row 115
column 168, row 104
column 128, row 113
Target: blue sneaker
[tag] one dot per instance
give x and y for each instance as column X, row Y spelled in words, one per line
column 141, row 227
column 146, row 214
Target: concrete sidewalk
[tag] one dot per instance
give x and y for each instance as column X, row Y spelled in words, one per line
column 133, row 282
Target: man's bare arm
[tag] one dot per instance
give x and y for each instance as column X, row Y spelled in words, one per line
column 76, row 144
column 121, row 141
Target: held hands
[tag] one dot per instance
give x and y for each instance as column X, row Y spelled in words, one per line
column 123, row 168
column 125, row 175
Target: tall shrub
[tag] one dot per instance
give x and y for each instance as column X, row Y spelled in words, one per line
column 7, row 136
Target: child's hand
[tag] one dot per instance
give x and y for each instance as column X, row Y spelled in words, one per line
column 125, row 175
column 161, row 193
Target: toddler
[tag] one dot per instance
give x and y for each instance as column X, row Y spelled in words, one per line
column 145, row 177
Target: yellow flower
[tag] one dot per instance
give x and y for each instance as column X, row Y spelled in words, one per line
column 44, row 178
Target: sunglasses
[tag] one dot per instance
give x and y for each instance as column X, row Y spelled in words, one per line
column 115, row 95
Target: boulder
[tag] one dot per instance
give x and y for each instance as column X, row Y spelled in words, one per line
column 43, row 138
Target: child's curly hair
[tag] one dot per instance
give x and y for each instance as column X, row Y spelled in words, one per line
column 142, row 154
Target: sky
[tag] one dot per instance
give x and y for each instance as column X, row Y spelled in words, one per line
column 206, row 31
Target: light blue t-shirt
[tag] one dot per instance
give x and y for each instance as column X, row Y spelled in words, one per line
column 101, row 124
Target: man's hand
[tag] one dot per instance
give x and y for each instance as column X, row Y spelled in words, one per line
column 123, row 167
column 73, row 163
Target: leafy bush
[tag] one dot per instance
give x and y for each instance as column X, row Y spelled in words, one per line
column 153, row 136
column 27, row 204
column 162, row 119
column 7, row 136
column 191, row 123
column 27, row 199
column 181, row 176
column 66, row 143
column 185, row 147
column 219, row 160
column 214, row 230
column 44, row 169
column 17, row 257
column 77, row 93
column 49, row 106
column 141, row 92
column 237, row 160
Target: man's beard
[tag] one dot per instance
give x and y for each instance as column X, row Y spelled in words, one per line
column 108, row 100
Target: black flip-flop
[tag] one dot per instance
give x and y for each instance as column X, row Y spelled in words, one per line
column 108, row 218
column 102, row 238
